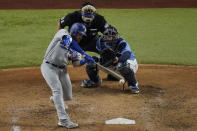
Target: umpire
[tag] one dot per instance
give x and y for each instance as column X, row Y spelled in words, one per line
column 93, row 21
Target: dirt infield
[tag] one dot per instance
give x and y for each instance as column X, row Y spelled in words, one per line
column 167, row 101
column 76, row 4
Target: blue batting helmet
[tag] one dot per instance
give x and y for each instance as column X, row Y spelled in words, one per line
column 78, row 28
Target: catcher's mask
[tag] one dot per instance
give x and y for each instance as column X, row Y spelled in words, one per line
column 88, row 12
column 110, row 36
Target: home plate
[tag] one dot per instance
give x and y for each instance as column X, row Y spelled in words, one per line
column 120, row 121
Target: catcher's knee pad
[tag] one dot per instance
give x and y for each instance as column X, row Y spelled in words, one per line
column 92, row 71
column 128, row 74
column 132, row 64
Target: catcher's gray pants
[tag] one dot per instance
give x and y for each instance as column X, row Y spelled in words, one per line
column 60, row 84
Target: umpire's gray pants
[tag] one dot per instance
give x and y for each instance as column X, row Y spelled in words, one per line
column 60, row 84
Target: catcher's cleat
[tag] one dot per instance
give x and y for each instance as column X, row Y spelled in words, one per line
column 67, row 123
column 52, row 101
column 90, row 84
column 134, row 89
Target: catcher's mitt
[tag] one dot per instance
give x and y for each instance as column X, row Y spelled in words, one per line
column 107, row 57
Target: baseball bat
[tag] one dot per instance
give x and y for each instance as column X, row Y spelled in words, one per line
column 111, row 72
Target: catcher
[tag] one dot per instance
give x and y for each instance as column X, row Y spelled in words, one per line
column 115, row 53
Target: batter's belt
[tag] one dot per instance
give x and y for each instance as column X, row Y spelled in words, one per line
column 61, row 67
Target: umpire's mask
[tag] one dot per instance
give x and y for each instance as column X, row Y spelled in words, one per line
column 87, row 12
column 110, row 36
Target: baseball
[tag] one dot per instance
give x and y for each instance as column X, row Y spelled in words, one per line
column 121, row 81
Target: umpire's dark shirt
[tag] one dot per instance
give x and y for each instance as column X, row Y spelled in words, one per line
column 97, row 25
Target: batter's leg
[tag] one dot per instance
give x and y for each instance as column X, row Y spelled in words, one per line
column 66, row 85
column 50, row 74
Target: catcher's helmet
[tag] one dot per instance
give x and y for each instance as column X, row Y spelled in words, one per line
column 87, row 12
column 110, row 36
column 78, row 28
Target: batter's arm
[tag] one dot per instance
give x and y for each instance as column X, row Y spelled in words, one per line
column 79, row 63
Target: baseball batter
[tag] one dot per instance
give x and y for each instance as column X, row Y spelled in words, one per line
column 62, row 49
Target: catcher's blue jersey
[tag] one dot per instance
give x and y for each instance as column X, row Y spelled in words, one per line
column 121, row 47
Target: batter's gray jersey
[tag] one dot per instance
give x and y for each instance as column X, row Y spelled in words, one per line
column 56, row 54
column 58, row 78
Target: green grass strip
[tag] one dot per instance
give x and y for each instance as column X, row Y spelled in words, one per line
column 157, row 36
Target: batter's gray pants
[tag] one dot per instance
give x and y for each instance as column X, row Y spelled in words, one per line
column 60, row 84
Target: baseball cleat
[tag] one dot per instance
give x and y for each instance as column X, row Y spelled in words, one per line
column 134, row 89
column 52, row 101
column 67, row 123
column 89, row 84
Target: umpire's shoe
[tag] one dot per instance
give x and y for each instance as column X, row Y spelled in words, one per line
column 90, row 84
column 67, row 123
column 134, row 89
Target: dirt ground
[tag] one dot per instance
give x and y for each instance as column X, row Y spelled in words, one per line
column 167, row 101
